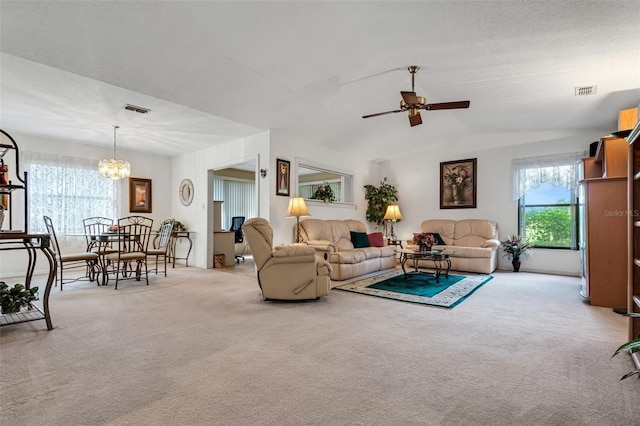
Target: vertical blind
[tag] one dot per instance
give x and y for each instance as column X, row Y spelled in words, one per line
column 239, row 198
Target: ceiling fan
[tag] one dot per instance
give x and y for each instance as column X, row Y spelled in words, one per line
column 413, row 104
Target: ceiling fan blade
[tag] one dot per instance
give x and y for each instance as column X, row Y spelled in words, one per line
column 409, row 98
column 415, row 119
column 381, row 113
column 448, row 105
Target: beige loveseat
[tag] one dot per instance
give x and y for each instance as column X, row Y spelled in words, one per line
column 332, row 239
column 475, row 241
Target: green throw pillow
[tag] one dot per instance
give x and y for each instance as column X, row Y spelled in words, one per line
column 360, row 239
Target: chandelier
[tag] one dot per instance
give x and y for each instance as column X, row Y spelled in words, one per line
column 114, row 169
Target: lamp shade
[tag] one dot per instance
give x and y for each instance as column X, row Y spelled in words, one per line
column 297, row 207
column 393, row 212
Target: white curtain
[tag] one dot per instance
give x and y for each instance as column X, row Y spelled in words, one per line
column 562, row 170
column 68, row 190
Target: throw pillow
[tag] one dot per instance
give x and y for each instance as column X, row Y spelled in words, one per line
column 359, row 239
column 439, row 240
column 376, row 239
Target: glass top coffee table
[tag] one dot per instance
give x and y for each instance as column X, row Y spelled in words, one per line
column 441, row 261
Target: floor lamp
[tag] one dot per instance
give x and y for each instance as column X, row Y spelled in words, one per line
column 297, row 208
column 392, row 214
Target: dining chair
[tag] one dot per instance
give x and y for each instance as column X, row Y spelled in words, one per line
column 134, row 233
column 162, row 244
column 95, row 227
column 87, row 259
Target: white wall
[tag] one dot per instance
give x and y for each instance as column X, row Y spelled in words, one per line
column 417, row 179
column 292, row 149
column 149, row 166
column 198, row 217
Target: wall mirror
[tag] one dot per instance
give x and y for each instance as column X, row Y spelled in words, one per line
column 312, row 176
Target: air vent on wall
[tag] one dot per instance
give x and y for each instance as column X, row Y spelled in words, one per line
column 137, row 109
column 586, row 90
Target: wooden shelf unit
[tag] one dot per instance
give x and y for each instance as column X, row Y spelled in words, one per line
column 606, row 254
column 633, row 288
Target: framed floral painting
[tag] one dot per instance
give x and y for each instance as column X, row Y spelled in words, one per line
column 458, row 184
column 139, row 195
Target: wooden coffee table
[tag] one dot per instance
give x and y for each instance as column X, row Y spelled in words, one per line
column 440, row 259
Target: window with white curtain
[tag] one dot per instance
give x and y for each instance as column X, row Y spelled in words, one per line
column 68, row 190
column 238, row 196
column 546, row 190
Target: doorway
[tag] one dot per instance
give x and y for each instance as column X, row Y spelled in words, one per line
column 233, row 189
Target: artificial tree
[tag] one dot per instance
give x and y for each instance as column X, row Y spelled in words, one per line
column 378, row 198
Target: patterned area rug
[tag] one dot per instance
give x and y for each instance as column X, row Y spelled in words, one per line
column 419, row 288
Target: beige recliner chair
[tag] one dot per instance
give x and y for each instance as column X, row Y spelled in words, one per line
column 286, row 272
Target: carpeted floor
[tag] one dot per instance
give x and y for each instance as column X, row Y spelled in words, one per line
column 420, row 287
column 201, row 348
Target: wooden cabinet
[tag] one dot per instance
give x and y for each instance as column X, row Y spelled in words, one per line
column 606, row 222
column 633, row 263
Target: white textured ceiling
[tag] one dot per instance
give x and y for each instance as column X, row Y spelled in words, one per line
column 215, row 71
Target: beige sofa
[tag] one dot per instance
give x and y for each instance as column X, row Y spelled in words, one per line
column 332, row 239
column 475, row 241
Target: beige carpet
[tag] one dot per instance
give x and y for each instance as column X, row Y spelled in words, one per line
column 202, row 348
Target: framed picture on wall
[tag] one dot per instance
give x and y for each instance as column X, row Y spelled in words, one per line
column 283, row 177
column 139, row 195
column 458, row 184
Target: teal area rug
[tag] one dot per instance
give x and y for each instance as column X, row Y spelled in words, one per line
column 419, row 288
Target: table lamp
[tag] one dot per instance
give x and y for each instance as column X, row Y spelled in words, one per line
column 297, row 208
column 392, row 214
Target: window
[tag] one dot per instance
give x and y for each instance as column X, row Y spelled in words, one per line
column 310, row 178
column 546, row 190
column 68, row 190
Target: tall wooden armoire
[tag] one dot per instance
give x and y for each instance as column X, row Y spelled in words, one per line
column 606, row 221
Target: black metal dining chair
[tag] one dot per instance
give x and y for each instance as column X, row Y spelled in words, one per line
column 94, row 227
column 134, row 233
column 87, row 260
column 162, row 244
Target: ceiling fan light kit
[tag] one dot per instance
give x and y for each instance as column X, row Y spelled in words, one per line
column 413, row 103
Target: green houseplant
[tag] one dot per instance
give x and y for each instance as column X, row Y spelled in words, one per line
column 378, row 198
column 514, row 247
column 12, row 299
column 324, row 193
column 633, row 346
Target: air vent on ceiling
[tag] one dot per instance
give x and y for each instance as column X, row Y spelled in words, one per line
column 586, row 90
column 137, row 109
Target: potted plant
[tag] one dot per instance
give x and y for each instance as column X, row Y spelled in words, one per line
column 378, row 198
column 515, row 247
column 177, row 225
column 633, row 346
column 12, row 299
column 324, row 193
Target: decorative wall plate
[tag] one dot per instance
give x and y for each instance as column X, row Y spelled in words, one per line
column 186, row 192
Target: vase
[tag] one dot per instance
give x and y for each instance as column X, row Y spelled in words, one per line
column 456, row 192
column 516, row 264
column 425, row 247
